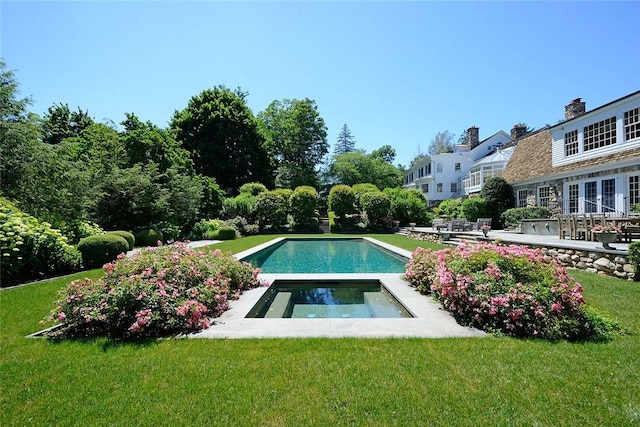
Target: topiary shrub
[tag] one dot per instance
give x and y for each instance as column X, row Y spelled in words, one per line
column 376, row 207
column 253, row 188
column 498, row 196
column 226, row 232
column 148, row 237
column 304, row 205
column 514, row 216
column 360, row 189
column 271, row 210
column 342, row 200
column 30, row 248
column 511, row 290
column 155, row 292
column 99, row 250
column 333, row 225
column 129, row 237
column 408, row 206
column 634, row 257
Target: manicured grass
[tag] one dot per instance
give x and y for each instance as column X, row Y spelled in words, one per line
column 293, row 382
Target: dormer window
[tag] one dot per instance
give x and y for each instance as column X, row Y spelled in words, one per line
column 571, row 143
column 632, row 124
column 600, row 134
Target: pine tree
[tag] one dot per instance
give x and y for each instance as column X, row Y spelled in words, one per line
column 346, row 143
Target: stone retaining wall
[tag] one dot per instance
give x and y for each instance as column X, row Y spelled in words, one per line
column 593, row 261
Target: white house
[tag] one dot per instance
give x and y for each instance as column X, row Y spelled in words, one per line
column 588, row 163
column 440, row 177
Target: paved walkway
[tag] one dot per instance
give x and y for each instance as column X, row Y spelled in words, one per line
column 195, row 244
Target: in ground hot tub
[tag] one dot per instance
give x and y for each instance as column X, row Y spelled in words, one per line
column 328, row 299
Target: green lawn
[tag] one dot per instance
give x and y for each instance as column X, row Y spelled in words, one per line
column 309, row 382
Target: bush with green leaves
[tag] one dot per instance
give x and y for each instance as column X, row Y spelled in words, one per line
column 634, row 257
column 474, row 208
column 360, row 189
column 206, row 229
column 129, row 237
column 408, row 206
column 242, row 226
column 271, row 210
column 243, row 205
column 226, row 232
column 156, row 292
column 342, row 200
column 514, row 216
column 304, row 205
column 76, row 230
column 376, row 207
column 511, row 290
column 148, row 237
column 98, row 250
column 30, row 248
column 498, row 196
column 253, row 188
column 451, row 208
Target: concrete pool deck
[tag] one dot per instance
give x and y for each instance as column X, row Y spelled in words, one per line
column 430, row 320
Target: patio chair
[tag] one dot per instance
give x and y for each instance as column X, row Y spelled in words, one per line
column 581, row 229
column 596, row 219
column 483, row 221
column 565, row 226
column 457, row 225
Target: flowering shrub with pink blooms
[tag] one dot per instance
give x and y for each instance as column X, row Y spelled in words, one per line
column 513, row 290
column 156, row 292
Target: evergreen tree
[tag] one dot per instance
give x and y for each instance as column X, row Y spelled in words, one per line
column 346, row 143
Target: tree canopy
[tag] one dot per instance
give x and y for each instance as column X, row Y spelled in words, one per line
column 60, row 123
column 359, row 167
column 441, row 143
column 221, row 133
column 296, row 138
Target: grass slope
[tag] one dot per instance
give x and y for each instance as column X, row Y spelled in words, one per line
column 293, row 382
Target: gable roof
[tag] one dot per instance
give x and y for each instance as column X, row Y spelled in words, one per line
column 595, row 109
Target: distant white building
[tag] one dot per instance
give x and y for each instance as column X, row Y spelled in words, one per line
column 440, row 177
column 485, row 168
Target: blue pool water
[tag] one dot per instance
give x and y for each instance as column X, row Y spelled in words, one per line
column 327, row 256
column 326, row 299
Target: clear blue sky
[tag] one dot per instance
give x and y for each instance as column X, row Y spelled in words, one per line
column 396, row 72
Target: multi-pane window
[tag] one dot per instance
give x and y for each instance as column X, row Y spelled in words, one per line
column 457, row 167
column 425, row 188
column 573, row 198
column 421, row 172
column 600, row 134
column 634, row 190
column 439, row 187
column 439, row 167
column 428, row 166
column 454, row 187
column 543, row 196
column 571, row 143
column 632, row 124
column 522, row 198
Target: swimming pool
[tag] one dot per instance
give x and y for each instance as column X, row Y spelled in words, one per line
column 326, row 255
column 328, row 299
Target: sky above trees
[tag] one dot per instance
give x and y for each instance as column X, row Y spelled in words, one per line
column 396, row 73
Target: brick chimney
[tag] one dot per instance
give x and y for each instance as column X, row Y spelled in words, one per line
column 575, row 109
column 518, row 130
column 473, row 137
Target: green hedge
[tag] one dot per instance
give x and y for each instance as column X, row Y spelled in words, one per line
column 148, row 237
column 513, row 216
column 129, row 237
column 101, row 249
column 226, row 233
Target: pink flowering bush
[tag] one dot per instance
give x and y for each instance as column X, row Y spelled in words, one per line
column 156, row 292
column 511, row 290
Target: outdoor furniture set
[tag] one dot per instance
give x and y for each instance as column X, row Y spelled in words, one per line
column 581, row 226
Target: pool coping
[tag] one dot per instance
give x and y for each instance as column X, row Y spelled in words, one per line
column 429, row 321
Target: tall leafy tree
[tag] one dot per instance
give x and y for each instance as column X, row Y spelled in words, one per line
column 359, row 167
column 441, row 143
column 498, row 196
column 387, row 153
column 60, row 123
column 221, row 133
column 296, row 139
column 346, row 143
column 146, row 142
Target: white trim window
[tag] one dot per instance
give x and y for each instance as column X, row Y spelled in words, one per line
column 457, row 165
column 571, row 143
column 425, row 187
column 522, row 198
column 544, row 195
column 634, row 190
column 439, row 167
column 454, row 187
column 599, row 134
column 632, row 124
column 439, row 187
column 574, row 195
